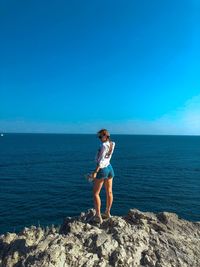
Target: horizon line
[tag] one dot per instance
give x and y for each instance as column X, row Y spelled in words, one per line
column 95, row 133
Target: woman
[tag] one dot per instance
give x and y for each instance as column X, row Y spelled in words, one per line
column 103, row 174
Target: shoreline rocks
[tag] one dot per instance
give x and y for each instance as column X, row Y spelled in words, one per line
column 137, row 239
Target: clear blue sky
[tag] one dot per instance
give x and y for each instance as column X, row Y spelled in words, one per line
column 76, row 66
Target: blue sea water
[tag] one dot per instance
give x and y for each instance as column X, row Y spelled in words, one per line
column 42, row 176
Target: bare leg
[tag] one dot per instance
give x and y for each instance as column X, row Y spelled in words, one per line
column 96, row 191
column 109, row 195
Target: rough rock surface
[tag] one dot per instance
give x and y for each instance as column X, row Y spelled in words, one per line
column 137, row 239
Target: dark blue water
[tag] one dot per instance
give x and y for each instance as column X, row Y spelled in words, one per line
column 42, row 176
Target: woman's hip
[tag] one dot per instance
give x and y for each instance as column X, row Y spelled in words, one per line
column 105, row 172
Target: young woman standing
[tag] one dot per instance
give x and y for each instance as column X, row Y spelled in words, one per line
column 103, row 174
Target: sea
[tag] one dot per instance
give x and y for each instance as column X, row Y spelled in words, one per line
column 42, row 177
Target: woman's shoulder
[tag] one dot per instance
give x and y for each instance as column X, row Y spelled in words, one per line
column 108, row 143
column 104, row 143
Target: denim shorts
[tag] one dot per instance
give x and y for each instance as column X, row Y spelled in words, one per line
column 106, row 172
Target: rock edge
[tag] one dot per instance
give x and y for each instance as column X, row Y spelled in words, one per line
column 138, row 239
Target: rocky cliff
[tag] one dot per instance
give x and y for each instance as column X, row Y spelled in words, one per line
column 136, row 239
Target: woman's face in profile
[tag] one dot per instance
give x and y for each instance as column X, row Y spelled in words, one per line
column 103, row 138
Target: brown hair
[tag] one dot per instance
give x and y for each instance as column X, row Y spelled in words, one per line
column 106, row 132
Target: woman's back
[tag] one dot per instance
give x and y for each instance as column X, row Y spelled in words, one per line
column 104, row 154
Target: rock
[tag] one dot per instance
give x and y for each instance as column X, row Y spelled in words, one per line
column 138, row 239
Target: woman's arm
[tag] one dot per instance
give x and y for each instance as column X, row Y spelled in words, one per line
column 97, row 168
column 99, row 158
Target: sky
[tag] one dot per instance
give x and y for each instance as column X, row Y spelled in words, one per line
column 132, row 67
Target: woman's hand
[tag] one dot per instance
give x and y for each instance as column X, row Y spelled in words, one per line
column 93, row 175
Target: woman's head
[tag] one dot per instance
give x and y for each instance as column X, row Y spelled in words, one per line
column 103, row 135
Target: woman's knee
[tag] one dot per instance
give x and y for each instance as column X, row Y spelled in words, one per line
column 96, row 194
column 109, row 193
